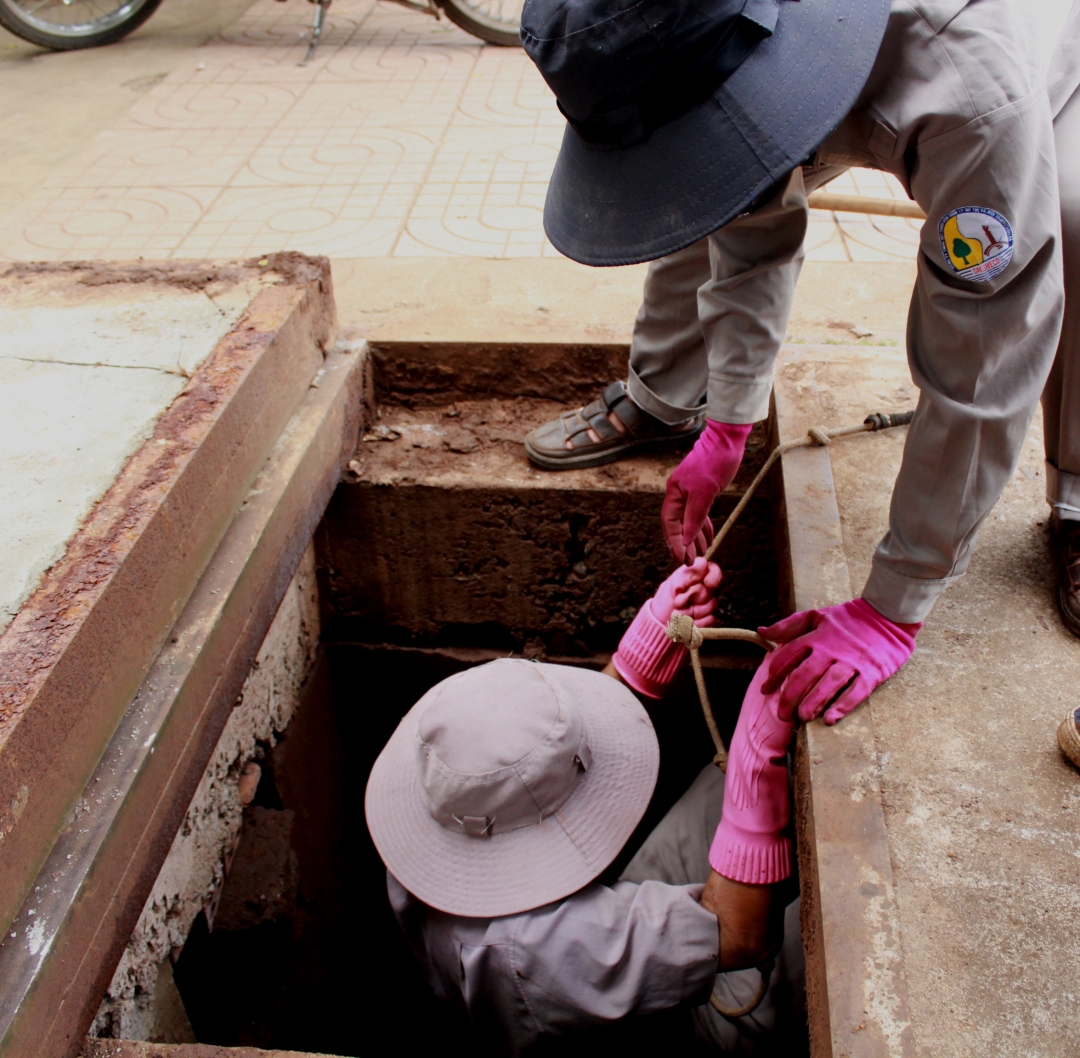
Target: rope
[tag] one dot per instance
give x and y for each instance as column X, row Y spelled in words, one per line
column 765, row 969
column 681, row 629
column 815, row 437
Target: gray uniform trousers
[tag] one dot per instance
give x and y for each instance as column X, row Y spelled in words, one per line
column 677, row 852
column 969, row 105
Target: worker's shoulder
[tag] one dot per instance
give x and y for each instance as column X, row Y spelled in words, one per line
column 937, row 14
column 945, row 63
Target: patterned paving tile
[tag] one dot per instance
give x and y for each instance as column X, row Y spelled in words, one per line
column 404, row 136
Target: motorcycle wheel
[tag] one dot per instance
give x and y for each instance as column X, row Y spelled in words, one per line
column 494, row 21
column 64, row 25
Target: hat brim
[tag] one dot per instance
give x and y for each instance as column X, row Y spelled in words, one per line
column 521, row 869
column 694, row 174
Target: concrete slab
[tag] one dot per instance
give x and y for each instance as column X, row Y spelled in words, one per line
column 979, row 807
column 544, row 300
column 60, row 951
column 88, row 361
column 73, row 657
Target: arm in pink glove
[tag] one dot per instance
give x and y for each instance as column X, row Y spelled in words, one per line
column 752, row 844
column 829, row 660
column 647, row 658
column 709, row 467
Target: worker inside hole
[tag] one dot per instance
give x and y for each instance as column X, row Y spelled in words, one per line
column 695, row 134
column 509, row 788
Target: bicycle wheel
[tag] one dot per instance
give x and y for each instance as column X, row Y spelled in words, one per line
column 66, row 24
column 494, row 21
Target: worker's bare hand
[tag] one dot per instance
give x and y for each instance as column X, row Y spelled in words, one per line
column 742, row 913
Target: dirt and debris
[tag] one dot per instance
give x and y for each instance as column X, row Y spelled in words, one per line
column 285, row 267
column 442, row 518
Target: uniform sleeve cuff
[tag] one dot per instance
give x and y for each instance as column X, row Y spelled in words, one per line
column 902, row 599
column 738, row 401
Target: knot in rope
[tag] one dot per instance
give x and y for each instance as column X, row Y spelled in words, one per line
column 681, row 629
column 819, row 435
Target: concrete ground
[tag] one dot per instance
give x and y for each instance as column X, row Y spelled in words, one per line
column 980, row 806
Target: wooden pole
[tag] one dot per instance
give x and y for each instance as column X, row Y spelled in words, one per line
column 882, row 207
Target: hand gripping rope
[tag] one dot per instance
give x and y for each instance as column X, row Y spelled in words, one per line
column 681, row 629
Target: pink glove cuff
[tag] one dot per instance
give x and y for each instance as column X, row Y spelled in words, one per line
column 725, row 439
column 743, row 856
column 647, row 658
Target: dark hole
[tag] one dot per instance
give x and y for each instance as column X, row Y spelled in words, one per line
column 316, row 968
column 304, row 952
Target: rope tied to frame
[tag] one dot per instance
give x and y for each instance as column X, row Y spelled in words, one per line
column 681, row 627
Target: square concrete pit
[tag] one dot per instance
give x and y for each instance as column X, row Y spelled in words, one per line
column 455, row 304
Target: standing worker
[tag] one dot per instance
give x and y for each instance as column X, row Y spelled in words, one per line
column 696, row 132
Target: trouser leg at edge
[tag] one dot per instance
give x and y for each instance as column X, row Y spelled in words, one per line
column 1061, row 397
column 669, row 367
column 744, row 308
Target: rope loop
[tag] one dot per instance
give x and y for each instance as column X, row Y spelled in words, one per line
column 765, row 970
column 819, row 435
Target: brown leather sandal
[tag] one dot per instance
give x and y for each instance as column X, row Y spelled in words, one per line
column 546, row 445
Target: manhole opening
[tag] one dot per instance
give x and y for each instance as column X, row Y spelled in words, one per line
column 443, row 550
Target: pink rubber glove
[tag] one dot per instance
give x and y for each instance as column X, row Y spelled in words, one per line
column 647, row 658
column 751, row 843
column 708, row 468
column 829, row 660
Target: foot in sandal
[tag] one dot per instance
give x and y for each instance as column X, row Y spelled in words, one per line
column 609, row 428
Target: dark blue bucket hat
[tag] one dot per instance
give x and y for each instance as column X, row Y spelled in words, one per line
column 681, row 112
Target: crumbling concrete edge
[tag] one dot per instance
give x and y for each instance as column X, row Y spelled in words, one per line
column 855, row 980
column 193, row 873
column 137, row 1049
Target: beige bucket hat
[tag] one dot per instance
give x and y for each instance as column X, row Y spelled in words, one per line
column 511, row 785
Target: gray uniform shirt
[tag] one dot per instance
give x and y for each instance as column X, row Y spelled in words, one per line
column 960, row 107
column 595, row 957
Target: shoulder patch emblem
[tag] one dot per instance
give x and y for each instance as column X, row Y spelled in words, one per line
column 977, row 242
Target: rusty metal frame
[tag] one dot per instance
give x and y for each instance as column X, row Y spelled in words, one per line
column 856, row 988
column 63, row 946
column 75, row 655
